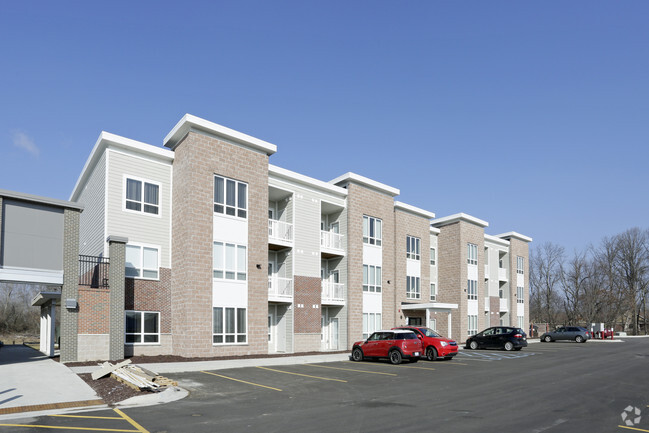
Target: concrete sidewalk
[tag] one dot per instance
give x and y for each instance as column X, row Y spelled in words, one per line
column 30, row 381
column 181, row 367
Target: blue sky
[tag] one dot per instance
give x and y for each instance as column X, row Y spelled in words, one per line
column 533, row 116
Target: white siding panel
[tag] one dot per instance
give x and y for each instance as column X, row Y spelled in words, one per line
column 141, row 228
column 91, row 232
column 307, row 233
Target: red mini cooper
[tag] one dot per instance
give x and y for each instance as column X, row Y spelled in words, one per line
column 434, row 345
column 396, row 345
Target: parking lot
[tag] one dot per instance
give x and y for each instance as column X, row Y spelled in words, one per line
column 552, row 387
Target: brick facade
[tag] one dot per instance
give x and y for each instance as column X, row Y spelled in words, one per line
column 307, row 304
column 150, row 295
column 94, row 310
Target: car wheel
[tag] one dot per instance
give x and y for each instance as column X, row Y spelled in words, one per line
column 579, row 339
column 431, row 354
column 547, row 339
column 357, row 354
column 509, row 346
column 473, row 345
column 395, row 357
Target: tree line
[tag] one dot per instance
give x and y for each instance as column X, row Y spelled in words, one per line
column 607, row 283
column 16, row 313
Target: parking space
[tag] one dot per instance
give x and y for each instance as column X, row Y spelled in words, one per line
column 114, row 420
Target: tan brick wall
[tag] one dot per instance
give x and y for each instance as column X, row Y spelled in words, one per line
column 149, row 295
column 494, row 308
column 363, row 201
column 307, row 343
column 94, row 310
column 93, row 347
column 197, row 158
column 408, row 224
column 307, row 295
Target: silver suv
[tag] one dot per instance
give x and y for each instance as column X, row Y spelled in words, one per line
column 576, row 333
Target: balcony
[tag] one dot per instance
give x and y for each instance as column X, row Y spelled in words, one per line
column 504, row 307
column 280, row 234
column 333, row 293
column 280, row 289
column 331, row 244
column 502, row 274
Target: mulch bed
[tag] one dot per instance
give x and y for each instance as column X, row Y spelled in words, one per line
column 109, row 389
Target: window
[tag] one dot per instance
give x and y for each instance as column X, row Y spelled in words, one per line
column 472, row 254
column 141, row 196
column 472, row 327
column 230, row 197
column 371, row 323
column 432, row 256
column 142, row 262
column 371, row 230
column 371, row 278
column 413, row 247
column 520, row 296
column 413, row 290
column 142, row 327
column 433, row 292
column 520, row 265
column 472, row 289
column 229, row 325
column 229, row 261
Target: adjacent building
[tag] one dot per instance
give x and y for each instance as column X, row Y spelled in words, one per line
column 223, row 253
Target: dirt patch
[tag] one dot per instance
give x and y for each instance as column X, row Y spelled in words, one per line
column 110, row 390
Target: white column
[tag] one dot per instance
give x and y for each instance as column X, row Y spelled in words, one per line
column 449, row 324
column 43, row 328
column 52, row 328
column 428, row 310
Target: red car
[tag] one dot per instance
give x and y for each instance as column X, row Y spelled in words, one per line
column 434, row 345
column 395, row 345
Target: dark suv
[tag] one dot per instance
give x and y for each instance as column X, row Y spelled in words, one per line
column 576, row 333
column 395, row 345
column 434, row 345
column 498, row 337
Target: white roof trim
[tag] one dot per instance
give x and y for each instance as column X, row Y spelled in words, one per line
column 435, row 230
column 37, row 199
column 306, row 180
column 190, row 122
column 366, row 181
column 439, row 222
column 496, row 240
column 432, row 305
column 515, row 235
column 413, row 209
column 107, row 139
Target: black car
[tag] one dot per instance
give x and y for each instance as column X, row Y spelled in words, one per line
column 498, row 337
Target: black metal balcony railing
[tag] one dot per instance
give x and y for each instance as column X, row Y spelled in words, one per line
column 93, row 271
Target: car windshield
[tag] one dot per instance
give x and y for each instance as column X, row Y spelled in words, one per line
column 429, row 332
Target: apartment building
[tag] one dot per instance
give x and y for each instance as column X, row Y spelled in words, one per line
column 226, row 254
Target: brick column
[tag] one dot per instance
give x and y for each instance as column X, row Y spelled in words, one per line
column 116, row 275
column 70, row 289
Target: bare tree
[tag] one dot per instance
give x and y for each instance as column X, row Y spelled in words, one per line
column 575, row 275
column 545, row 281
column 632, row 269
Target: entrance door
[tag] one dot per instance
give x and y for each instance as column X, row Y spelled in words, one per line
column 272, row 329
column 333, row 334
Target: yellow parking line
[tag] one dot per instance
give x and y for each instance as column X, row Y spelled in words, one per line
column 131, row 421
column 89, row 417
column 632, row 428
column 305, row 375
column 242, row 381
column 449, row 363
column 350, row 369
column 71, row 428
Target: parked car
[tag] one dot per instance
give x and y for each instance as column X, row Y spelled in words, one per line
column 395, row 345
column 434, row 345
column 498, row 337
column 577, row 333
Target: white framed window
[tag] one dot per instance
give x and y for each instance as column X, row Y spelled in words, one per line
column 413, row 290
column 432, row 257
column 472, row 324
column 472, row 254
column 371, row 278
column 520, row 295
column 230, row 197
column 142, row 327
column 229, row 261
column 472, row 289
column 433, row 292
column 521, row 322
column 141, row 196
column 372, row 228
column 371, row 323
column 413, row 248
column 229, row 325
column 520, row 265
column 142, row 261
column 433, row 324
